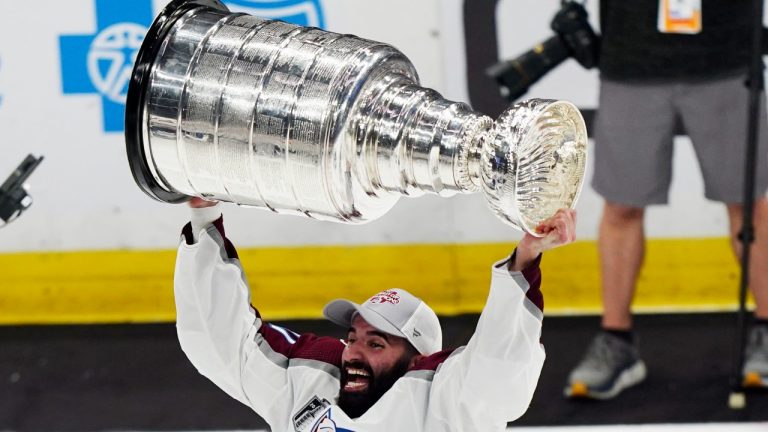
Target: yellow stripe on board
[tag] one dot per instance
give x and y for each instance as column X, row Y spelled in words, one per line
column 137, row 286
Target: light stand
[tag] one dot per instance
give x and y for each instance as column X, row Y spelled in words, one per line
column 737, row 399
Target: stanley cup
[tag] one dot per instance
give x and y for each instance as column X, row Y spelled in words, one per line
column 298, row 120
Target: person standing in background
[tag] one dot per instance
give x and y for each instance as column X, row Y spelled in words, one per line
column 664, row 61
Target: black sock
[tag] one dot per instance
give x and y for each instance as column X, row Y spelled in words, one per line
column 626, row 335
column 760, row 321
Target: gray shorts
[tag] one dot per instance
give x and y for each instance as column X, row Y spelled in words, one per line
column 634, row 135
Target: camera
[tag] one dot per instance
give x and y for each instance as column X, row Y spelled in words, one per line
column 574, row 37
column 14, row 199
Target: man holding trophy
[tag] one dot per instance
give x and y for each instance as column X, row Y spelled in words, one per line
column 390, row 373
column 228, row 107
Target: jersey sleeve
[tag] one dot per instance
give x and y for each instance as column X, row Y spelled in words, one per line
column 225, row 337
column 491, row 380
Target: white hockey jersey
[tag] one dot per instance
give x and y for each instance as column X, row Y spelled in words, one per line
column 292, row 380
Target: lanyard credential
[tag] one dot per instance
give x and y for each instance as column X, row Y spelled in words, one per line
column 680, row 16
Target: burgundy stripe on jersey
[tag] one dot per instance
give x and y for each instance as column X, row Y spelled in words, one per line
column 187, row 233
column 308, row 346
column 532, row 274
column 229, row 248
column 433, row 361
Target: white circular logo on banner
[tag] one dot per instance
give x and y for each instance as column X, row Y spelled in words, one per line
column 111, row 58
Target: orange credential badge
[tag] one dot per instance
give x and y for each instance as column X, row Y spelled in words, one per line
column 680, row 16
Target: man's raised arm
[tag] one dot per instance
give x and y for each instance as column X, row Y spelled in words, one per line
column 491, row 381
column 218, row 329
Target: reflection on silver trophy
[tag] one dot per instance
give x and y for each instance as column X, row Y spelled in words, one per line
column 299, row 120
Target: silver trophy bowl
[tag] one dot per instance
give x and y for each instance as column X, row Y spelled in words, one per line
column 262, row 113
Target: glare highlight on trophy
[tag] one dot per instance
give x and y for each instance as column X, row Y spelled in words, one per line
column 299, row 120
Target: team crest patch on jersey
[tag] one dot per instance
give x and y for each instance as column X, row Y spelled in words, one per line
column 387, row 296
column 308, row 412
column 326, row 424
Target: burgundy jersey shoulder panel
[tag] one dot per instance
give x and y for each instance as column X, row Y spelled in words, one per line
column 432, row 362
column 307, row 346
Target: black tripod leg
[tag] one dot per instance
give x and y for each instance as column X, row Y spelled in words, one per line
column 737, row 398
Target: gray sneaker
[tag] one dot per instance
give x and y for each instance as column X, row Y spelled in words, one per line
column 755, row 370
column 609, row 366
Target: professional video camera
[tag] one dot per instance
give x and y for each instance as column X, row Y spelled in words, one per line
column 574, row 37
column 13, row 194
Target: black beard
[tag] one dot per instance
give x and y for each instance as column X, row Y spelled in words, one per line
column 355, row 404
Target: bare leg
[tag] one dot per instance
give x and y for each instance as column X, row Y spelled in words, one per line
column 622, row 248
column 758, row 274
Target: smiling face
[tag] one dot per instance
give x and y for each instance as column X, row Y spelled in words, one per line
column 371, row 363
